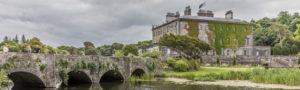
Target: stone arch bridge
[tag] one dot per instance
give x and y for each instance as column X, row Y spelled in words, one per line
column 45, row 70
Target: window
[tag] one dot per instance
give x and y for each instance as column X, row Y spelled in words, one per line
column 247, row 41
column 227, row 52
column 245, row 52
column 186, row 26
column 214, row 40
column 200, row 27
column 206, row 27
column 257, row 53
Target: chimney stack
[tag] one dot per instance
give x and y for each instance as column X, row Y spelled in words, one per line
column 187, row 11
column 229, row 14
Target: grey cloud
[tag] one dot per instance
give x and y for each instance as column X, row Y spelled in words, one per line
column 71, row 22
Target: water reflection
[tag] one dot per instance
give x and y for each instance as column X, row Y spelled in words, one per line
column 145, row 85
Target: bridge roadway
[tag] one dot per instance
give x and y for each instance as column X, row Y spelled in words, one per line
column 48, row 70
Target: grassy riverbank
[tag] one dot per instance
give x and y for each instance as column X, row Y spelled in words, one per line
column 258, row 75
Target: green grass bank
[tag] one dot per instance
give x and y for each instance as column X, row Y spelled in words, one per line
column 258, row 75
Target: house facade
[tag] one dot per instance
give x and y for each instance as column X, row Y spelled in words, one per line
column 227, row 36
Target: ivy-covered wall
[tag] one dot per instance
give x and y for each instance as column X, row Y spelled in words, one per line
column 228, row 35
column 193, row 29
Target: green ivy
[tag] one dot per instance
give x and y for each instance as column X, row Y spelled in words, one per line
column 43, row 67
column 7, row 66
column 38, row 60
column 83, row 64
column 64, row 75
column 227, row 33
column 92, row 67
column 101, row 66
column 151, row 67
column 13, row 58
column 77, row 66
column 64, row 63
column 193, row 29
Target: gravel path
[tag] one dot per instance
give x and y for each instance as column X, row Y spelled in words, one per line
column 234, row 83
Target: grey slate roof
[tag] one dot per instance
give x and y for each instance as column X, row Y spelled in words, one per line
column 210, row 19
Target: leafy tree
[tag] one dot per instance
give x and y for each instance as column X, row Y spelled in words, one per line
column 294, row 49
column 296, row 15
column 276, row 50
column 88, row 44
column 154, row 54
column 284, row 17
column 106, row 50
column 12, row 45
column 188, row 47
column 71, row 49
column 297, row 33
column 119, row 53
column 117, row 46
column 293, row 25
column 90, row 48
column 5, row 38
column 130, row 48
column 144, row 43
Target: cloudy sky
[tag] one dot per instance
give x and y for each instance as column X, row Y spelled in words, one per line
column 71, row 22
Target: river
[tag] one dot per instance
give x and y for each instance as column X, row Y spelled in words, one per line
column 143, row 85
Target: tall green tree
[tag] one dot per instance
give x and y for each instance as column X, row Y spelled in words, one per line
column 90, row 48
column 130, row 48
column 5, row 38
column 24, row 40
column 117, row 46
column 88, row 44
column 284, row 18
column 293, row 26
column 188, row 47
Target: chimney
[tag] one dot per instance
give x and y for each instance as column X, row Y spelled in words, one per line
column 205, row 13
column 229, row 15
column 187, row 11
column 172, row 16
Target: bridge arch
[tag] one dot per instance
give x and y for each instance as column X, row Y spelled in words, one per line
column 26, row 79
column 138, row 72
column 76, row 77
column 112, row 75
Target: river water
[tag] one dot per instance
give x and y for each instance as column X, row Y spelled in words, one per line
column 143, row 85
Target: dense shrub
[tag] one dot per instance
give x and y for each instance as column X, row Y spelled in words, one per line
column 43, row 67
column 181, row 66
column 171, row 62
column 234, row 61
column 193, row 65
column 92, row 67
column 218, row 61
column 154, row 54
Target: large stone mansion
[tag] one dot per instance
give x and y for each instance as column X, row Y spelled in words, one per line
column 228, row 36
